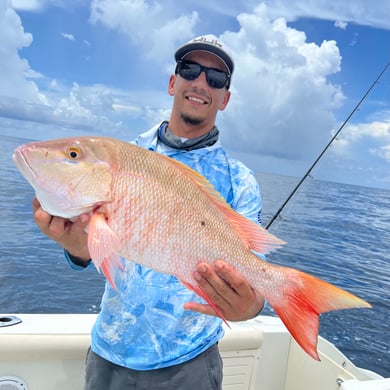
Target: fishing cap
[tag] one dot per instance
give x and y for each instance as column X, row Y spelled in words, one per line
column 209, row 43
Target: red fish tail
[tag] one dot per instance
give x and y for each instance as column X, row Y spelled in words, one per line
column 300, row 300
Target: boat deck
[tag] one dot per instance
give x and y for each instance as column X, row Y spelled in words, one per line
column 47, row 352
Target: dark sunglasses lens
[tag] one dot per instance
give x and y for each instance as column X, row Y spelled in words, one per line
column 215, row 78
column 189, row 71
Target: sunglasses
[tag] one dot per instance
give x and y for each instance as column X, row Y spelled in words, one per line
column 191, row 70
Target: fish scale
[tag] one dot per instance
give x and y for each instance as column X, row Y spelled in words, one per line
column 154, row 210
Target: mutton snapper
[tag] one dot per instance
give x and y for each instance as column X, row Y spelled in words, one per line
column 156, row 211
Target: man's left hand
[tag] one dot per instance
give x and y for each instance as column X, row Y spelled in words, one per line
column 229, row 290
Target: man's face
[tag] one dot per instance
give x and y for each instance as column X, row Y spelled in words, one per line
column 196, row 101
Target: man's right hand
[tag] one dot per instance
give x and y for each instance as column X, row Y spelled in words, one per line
column 70, row 235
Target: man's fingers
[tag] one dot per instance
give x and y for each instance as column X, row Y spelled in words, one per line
column 236, row 281
column 200, row 308
column 71, row 235
column 228, row 289
column 36, row 205
column 41, row 217
column 57, row 227
column 218, row 290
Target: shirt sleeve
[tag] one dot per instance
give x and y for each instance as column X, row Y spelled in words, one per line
column 72, row 264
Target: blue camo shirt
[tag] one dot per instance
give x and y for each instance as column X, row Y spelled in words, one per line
column 143, row 325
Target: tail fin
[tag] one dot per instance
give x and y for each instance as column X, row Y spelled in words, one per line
column 300, row 300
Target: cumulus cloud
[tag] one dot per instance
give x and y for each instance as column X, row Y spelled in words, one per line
column 14, row 69
column 280, row 91
column 150, row 26
column 356, row 137
column 21, row 97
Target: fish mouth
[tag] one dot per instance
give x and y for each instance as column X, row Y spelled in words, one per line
column 22, row 164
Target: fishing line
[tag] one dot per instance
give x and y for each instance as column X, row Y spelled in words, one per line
column 276, row 215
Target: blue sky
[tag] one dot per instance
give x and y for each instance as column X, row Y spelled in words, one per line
column 78, row 67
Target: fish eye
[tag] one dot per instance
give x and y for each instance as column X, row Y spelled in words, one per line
column 73, row 152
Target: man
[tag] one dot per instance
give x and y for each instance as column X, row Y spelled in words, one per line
column 153, row 333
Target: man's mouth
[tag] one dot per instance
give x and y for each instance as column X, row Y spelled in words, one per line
column 196, row 100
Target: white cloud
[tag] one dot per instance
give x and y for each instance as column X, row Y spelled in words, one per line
column 70, row 37
column 354, row 40
column 355, row 138
column 377, row 130
column 40, row 5
column 279, row 77
column 21, row 98
column 27, row 5
column 151, row 27
column 383, row 152
column 15, row 70
column 357, row 11
column 341, row 24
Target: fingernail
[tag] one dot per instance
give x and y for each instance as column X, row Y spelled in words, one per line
column 219, row 265
column 197, row 276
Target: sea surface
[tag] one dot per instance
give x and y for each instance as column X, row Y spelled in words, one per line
column 338, row 232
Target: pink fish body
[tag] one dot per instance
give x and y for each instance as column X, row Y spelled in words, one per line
column 153, row 210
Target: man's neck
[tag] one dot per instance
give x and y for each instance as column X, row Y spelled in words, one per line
column 170, row 139
column 187, row 130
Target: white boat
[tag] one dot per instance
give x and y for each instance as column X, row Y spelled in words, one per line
column 47, row 352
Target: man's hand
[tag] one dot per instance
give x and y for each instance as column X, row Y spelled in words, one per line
column 229, row 290
column 70, row 235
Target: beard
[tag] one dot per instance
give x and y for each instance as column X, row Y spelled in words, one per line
column 191, row 120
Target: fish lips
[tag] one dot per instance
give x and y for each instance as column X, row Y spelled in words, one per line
column 23, row 166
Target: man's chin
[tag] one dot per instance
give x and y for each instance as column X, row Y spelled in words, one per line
column 190, row 120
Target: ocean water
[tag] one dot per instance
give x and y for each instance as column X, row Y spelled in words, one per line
column 338, row 232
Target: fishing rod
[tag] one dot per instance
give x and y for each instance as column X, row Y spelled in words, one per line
column 276, row 215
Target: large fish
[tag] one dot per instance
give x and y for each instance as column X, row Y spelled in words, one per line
column 156, row 211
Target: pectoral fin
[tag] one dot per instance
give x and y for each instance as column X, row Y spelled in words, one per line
column 103, row 245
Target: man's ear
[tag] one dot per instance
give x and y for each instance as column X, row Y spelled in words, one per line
column 171, row 85
column 224, row 101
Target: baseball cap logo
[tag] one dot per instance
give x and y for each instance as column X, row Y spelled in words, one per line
column 208, row 40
